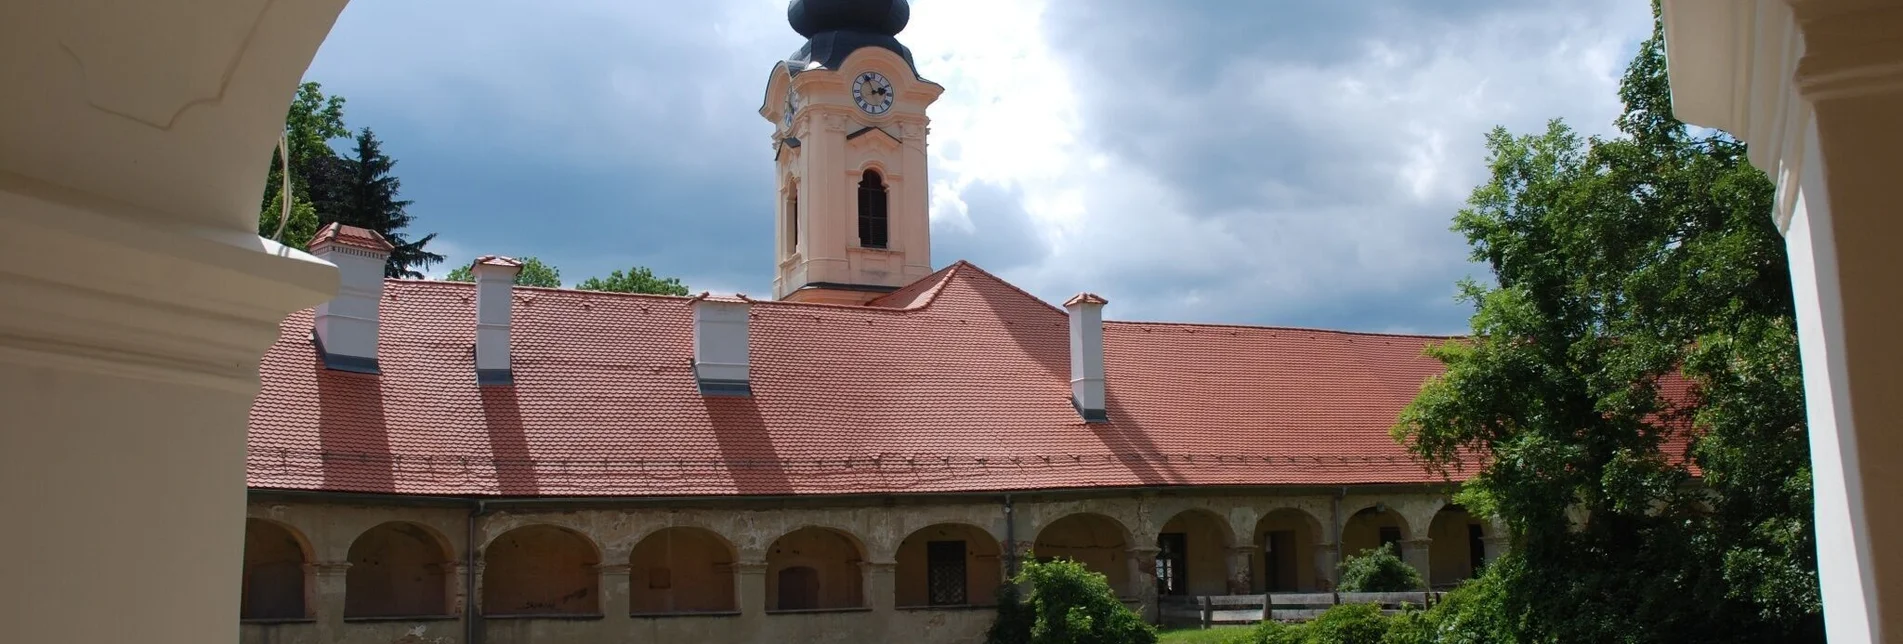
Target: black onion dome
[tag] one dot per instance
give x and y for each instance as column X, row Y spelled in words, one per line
column 882, row 17
column 836, row 28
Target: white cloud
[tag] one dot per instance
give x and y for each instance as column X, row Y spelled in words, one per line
column 1271, row 184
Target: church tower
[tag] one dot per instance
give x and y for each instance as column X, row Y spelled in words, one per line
column 849, row 140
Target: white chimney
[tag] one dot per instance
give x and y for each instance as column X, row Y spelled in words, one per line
column 495, row 295
column 345, row 328
column 720, row 345
column 1086, row 356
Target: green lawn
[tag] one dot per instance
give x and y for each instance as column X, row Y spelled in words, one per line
column 1215, row 635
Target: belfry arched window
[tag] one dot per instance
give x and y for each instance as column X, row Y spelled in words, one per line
column 872, row 219
column 792, row 218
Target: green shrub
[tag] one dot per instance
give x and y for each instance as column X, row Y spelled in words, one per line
column 1474, row 613
column 1347, row 624
column 1379, row 571
column 1068, row 604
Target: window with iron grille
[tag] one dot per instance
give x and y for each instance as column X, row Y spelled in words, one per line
column 945, row 572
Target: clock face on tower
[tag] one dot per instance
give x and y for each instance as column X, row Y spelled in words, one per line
column 792, row 107
column 872, row 92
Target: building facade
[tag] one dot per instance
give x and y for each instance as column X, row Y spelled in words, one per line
column 866, row 457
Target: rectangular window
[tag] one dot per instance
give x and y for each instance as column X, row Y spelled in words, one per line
column 945, row 573
column 1172, row 553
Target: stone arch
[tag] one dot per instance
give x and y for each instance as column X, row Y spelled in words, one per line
column 541, row 569
column 399, row 569
column 1192, row 555
column 1373, row 524
column 275, row 582
column 682, row 569
column 814, row 568
column 1288, row 558
column 1097, row 541
column 948, row 564
column 1457, row 545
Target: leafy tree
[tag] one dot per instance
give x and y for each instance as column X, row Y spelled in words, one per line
column 1067, row 604
column 311, row 123
column 301, row 228
column 368, row 198
column 637, row 280
column 1642, row 303
column 1379, row 571
column 534, row 273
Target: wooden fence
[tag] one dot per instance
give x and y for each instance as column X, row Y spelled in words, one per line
column 1208, row 610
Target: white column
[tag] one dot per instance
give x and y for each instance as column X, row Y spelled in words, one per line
column 137, row 300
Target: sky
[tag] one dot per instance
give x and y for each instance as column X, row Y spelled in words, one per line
column 1287, row 163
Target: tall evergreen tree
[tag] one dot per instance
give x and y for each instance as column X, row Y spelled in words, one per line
column 367, row 197
column 1625, row 267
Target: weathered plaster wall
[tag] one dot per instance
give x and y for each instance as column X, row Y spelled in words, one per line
column 682, row 570
column 541, row 570
column 399, row 569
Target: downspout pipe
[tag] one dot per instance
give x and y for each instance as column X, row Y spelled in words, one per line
column 472, row 611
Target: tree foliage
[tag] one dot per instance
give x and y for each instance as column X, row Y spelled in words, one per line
column 359, row 190
column 636, row 280
column 1067, row 604
column 534, row 273
column 1379, row 571
column 298, row 232
column 1641, row 305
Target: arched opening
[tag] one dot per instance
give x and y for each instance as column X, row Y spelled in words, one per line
column 872, row 210
column 274, row 559
column 1192, row 553
column 1288, row 562
column 949, row 564
column 1094, row 540
column 397, row 569
column 681, row 570
column 541, row 570
column 1457, row 549
column 1372, row 528
column 792, row 218
column 814, row 568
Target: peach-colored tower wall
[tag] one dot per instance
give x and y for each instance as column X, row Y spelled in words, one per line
column 817, row 246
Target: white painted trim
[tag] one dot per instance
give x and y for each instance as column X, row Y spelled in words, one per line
column 1843, row 542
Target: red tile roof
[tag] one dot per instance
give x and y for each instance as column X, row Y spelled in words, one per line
column 497, row 260
column 960, row 383
column 352, row 236
column 1085, row 298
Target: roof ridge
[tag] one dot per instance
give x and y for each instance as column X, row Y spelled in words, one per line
column 1272, row 327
